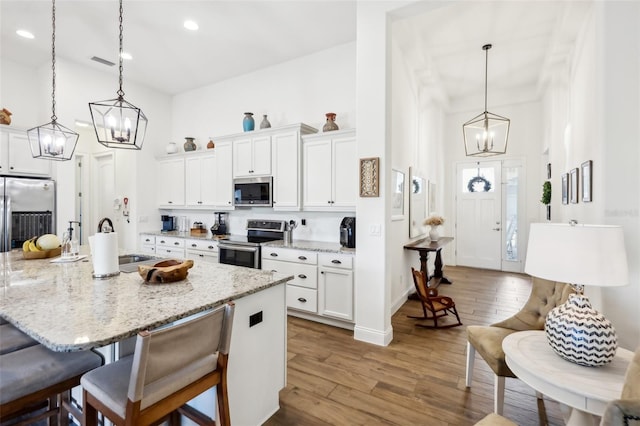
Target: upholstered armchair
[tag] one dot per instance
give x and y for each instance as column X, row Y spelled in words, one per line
column 620, row 411
column 487, row 340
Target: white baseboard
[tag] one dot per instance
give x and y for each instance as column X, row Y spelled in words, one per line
column 376, row 337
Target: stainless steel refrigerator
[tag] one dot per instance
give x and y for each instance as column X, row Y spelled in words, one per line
column 27, row 209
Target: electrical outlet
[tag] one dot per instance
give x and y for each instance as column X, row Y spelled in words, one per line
column 303, row 222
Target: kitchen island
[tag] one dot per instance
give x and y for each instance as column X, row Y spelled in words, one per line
column 61, row 306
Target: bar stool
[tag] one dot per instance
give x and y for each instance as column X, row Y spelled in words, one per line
column 169, row 367
column 12, row 339
column 31, row 376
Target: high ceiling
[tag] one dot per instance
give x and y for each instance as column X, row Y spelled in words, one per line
column 442, row 46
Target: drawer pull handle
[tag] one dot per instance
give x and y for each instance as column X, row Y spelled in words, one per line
column 176, row 243
column 336, row 261
column 194, row 245
column 162, row 241
column 302, row 257
column 147, row 240
column 303, row 276
column 302, row 299
column 274, row 254
column 211, row 247
column 201, row 255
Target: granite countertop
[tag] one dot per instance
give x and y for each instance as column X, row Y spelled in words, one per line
column 319, row 246
column 63, row 307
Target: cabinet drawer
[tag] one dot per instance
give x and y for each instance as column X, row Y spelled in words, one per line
column 147, row 240
column 289, row 255
column 148, row 249
column 170, row 241
column 205, row 245
column 165, row 251
column 303, row 275
column 303, row 299
column 344, row 261
column 205, row 256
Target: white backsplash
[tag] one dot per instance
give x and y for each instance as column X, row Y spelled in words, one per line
column 320, row 226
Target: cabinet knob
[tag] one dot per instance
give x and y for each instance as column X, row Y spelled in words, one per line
column 336, row 261
column 303, row 276
column 329, row 202
column 302, row 299
column 302, row 257
column 273, row 254
column 228, row 202
column 11, row 167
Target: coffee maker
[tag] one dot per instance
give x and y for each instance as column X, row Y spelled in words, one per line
column 168, row 223
column 348, row 232
column 220, row 225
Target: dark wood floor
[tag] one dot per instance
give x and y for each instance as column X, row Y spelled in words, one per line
column 419, row 379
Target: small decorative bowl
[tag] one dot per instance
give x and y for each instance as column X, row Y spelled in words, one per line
column 167, row 271
column 43, row 254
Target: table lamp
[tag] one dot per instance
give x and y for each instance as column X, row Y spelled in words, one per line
column 580, row 255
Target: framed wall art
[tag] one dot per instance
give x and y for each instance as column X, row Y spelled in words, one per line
column 586, row 181
column 565, row 188
column 573, row 194
column 370, row 177
column 397, row 195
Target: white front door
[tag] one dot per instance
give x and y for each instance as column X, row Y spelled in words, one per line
column 479, row 214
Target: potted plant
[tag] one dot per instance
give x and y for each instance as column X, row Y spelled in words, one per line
column 434, row 221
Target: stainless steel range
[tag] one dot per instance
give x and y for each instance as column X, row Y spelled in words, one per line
column 242, row 250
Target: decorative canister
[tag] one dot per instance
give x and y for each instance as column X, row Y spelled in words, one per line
column 265, row 123
column 211, row 145
column 172, row 148
column 331, row 122
column 190, row 145
column 248, row 123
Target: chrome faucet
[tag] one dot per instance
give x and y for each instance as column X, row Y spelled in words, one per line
column 105, row 228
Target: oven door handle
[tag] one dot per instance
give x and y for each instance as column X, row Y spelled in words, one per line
column 237, row 247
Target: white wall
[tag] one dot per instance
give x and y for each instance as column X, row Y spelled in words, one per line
column 298, row 91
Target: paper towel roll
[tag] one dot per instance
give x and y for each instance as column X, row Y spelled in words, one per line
column 104, row 249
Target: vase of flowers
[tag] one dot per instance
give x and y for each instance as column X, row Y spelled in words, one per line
column 434, row 223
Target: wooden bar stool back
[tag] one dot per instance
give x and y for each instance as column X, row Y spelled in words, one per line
column 169, row 367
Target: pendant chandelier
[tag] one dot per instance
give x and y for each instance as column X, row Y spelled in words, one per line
column 52, row 141
column 486, row 134
column 118, row 123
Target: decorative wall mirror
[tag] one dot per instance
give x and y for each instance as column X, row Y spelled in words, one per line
column 417, row 203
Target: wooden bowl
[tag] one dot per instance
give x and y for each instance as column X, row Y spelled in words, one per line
column 167, row 271
column 42, row 254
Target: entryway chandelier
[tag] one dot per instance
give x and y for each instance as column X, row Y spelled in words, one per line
column 52, row 141
column 118, row 123
column 486, row 134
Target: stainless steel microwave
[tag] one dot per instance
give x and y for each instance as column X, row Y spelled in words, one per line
column 253, row 191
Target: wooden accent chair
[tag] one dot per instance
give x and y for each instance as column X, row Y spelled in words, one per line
column 487, row 340
column 433, row 306
column 36, row 383
column 169, row 367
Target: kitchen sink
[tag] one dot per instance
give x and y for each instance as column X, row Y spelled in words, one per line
column 130, row 262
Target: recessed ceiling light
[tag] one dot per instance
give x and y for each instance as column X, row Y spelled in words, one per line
column 25, row 34
column 191, row 25
column 126, row 56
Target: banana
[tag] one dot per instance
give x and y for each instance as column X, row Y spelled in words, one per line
column 33, row 246
column 25, row 245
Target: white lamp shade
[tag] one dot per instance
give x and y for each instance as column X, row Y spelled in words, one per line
column 577, row 254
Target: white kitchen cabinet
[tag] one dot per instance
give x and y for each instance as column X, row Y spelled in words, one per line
column 200, row 180
column 201, row 249
column 148, row 244
column 330, row 171
column 322, row 285
column 171, row 179
column 335, row 286
column 224, row 175
column 16, row 157
column 170, row 247
column 286, row 165
column 252, row 156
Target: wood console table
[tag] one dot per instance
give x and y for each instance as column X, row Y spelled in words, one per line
column 423, row 247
